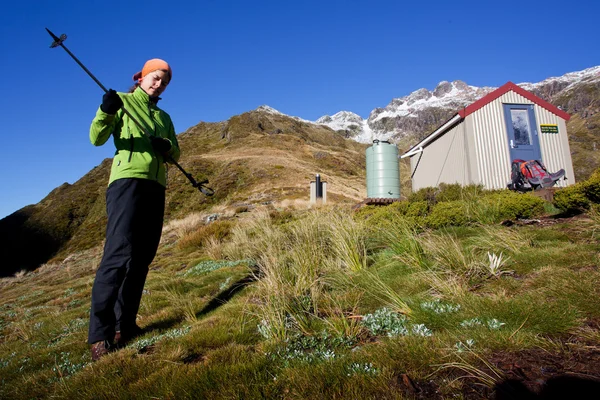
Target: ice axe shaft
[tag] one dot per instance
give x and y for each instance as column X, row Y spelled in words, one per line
column 58, row 41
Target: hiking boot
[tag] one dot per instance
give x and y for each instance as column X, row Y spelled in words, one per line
column 100, row 349
column 122, row 338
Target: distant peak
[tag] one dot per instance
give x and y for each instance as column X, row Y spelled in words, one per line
column 442, row 89
column 268, row 109
column 340, row 118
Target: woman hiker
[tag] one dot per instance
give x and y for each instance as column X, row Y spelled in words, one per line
column 135, row 202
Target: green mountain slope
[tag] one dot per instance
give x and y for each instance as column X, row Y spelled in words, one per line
column 253, row 158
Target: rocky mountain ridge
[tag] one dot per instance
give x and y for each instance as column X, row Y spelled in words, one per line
column 418, row 113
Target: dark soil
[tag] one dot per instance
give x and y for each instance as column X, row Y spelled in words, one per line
column 573, row 373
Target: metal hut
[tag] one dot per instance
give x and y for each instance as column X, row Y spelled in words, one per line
column 478, row 144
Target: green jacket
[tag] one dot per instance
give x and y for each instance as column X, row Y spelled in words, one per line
column 135, row 157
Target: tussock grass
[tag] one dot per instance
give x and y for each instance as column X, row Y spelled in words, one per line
column 348, row 241
column 213, row 232
column 498, row 239
column 309, row 303
column 185, row 226
column 488, row 376
column 404, row 240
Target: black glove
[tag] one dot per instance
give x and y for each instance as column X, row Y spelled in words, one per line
column 111, row 102
column 160, row 145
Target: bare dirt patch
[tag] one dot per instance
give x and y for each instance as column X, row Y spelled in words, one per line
column 572, row 373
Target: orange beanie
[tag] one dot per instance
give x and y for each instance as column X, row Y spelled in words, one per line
column 153, row 65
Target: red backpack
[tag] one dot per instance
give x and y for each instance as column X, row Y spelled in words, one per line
column 532, row 175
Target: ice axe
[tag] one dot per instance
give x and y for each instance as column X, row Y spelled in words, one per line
column 58, row 41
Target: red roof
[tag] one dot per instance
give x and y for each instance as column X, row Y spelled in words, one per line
column 507, row 87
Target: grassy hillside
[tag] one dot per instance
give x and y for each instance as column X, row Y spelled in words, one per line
column 286, row 302
column 35, row 233
column 254, row 158
column 584, row 141
column 256, row 294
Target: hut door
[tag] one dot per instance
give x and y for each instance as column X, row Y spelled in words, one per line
column 523, row 140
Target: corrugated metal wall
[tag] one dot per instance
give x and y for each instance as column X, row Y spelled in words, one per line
column 491, row 142
column 556, row 153
column 444, row 160
column 492, row 159
column 476, row 150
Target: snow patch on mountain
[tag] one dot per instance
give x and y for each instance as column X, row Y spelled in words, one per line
column 446, row 94
column 353, row 124
column 271, row 110
column 570, row 79
column 395, row 118
column 268, row 109
column 380, row 124
column 340, row 120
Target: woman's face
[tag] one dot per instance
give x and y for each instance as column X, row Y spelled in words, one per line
column 155, row 83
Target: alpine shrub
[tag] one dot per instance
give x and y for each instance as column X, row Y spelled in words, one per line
column 417, row 209
column 401, row 207
column 457, row 192
column 448, row 213
column 507, row 204
column 572, row 199
column 379, row 216
column 591, row 187
column 446, row 192
column 427, row 194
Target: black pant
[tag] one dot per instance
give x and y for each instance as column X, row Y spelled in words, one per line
column 135, row 209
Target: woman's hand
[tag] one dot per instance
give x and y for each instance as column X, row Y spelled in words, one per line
column 111, row 102
column 160, row 145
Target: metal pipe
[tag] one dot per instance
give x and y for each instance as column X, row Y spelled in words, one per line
column 319, row 187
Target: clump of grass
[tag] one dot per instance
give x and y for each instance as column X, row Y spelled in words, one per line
column 217, row 230
column 348, row 241
column 497, row 239
column 446, row 283
column 487, row 375
column 379, row 289
column 185, row 226
column 403, row 239
column 449, row 253
column 292, row 269
column 341, row 315
column 253, row 238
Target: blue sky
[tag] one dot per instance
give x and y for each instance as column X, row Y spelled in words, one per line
column 303, row 58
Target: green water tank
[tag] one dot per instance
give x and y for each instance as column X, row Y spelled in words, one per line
column 383, row 171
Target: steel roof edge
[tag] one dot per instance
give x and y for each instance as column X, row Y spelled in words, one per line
column 438, row 132
column 507, row 87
